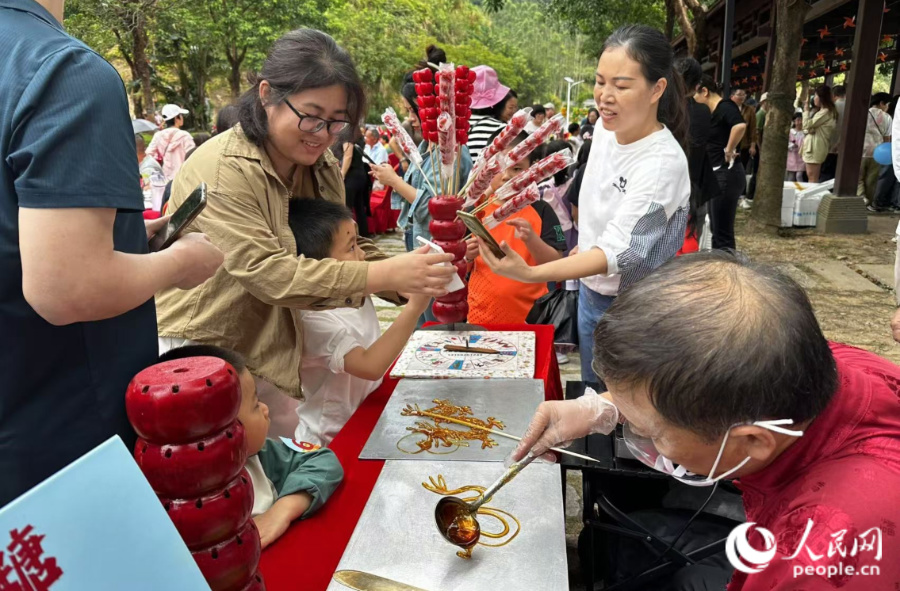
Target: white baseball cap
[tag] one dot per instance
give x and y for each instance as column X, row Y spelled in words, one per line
column 764, row 96
column 550, row 106
column 171, row 111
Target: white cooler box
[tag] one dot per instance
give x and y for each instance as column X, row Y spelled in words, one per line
column 806, row 201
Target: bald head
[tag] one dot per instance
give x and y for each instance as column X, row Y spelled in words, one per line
column 714, row 341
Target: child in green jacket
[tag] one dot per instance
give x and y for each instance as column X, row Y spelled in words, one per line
column 287, row 484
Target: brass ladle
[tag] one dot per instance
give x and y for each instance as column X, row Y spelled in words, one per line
column 455, row 518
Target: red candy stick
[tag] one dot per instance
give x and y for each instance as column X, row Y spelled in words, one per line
column 482, row 179
column 537, row 138
column 514, row 205
column 446, row 123
column 542, row 169
column 408, row 146
column 515, row 126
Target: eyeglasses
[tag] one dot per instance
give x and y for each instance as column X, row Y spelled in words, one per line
column 312, row 124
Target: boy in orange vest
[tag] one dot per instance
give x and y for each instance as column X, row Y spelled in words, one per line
column 535, row 233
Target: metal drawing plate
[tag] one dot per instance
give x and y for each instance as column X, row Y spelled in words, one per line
column 511, row 402
column 396, row 536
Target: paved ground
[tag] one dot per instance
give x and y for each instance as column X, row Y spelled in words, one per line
column 849, row 280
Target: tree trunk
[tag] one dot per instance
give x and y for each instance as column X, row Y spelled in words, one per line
column 235, row 60
column 701, row 43
column 137, row 101
column 234, row 80
column 687, row 29
column 142, row 64
column 779, row 111
column 670, row 19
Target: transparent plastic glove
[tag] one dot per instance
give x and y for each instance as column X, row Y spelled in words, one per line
column 558, row 423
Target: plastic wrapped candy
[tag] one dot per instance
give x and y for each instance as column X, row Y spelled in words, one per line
column 515, row 126
column 446, row 120
column 482, row 179
column 410, row 150
column 514, row 205
column 446, row 143
column 541, row 135
column 540, row 170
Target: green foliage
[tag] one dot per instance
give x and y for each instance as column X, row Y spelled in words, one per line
column 596, row 19
column 194, row 45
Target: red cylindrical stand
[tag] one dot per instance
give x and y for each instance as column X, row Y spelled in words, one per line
column 448, row 231
column 191, row 449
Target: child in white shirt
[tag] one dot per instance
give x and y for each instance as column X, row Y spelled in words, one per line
column 344, row 354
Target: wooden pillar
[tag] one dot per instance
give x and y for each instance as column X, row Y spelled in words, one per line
column 727, row 41
column 770, row 49
column 859, row 91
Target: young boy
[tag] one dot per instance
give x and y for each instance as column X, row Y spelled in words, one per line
column 287, row 484
column 535, row 233
column 344, row 354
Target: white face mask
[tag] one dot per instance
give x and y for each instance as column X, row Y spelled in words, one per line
column 644, row 450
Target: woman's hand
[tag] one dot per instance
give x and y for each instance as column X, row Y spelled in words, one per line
column 416, row 272
column 385, row 174
column 512, row 266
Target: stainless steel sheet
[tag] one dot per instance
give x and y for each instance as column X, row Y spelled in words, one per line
column 512, row 402
column 396, row 536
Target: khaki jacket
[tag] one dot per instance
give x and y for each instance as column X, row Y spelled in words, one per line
column 252, row 303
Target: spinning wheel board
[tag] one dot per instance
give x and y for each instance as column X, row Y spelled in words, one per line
column 425, row 355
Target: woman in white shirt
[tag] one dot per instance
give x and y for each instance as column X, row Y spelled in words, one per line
column 633, row 206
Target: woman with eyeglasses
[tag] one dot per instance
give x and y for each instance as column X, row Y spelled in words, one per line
column 307, row 94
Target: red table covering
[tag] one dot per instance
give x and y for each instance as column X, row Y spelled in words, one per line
column 305, row 558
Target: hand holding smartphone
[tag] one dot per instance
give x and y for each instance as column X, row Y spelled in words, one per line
column 180, row 220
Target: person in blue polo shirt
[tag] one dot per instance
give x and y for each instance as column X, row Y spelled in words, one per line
column 77, row 319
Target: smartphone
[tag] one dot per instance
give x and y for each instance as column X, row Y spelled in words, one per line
column 477, row 228
column 364, row 155
column 180, row 220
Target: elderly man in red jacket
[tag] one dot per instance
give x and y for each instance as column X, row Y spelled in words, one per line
column 720, row 370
